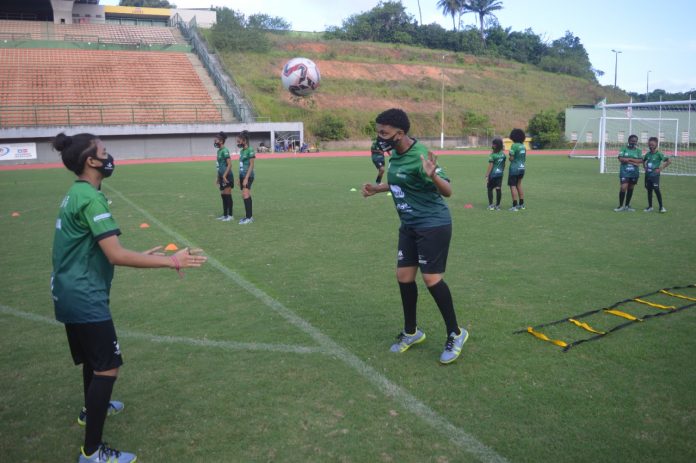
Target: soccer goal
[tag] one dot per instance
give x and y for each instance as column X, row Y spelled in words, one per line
column 670, row 121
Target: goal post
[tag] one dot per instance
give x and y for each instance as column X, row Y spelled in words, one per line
column 671, row 122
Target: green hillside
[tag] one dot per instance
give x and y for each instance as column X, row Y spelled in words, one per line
column 360, row 79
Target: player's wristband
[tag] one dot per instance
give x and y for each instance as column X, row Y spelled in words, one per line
column 177, row 266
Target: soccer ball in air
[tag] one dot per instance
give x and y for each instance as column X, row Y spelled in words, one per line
column 300, row 76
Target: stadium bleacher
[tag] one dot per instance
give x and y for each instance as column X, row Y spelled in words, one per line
column 68, row 87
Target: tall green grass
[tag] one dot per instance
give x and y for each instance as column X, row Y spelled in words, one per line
column 327, row 255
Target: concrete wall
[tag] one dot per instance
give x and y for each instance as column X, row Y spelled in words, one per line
column 204, row 18
column 148, row 142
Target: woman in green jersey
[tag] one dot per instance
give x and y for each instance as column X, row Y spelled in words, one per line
column 494, row 173
column 630, row 158
column 518, row 162
column 417, row 185
column 85, row 250
column 224, row 179
column 246, row 173
column 378, row 160
column 654, row 162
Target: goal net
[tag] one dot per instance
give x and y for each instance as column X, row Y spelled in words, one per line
column 672, row 122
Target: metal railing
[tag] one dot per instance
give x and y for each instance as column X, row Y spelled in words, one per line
column 241, row 107
column 116, row 114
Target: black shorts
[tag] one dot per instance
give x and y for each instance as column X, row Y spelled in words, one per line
column 494, row 182
column 426, row 248
column 378, row 162
column 226, row 182
column 652, row 182
column 513, row 180
column 94, row 344
column 250, row 181
column 629, row 180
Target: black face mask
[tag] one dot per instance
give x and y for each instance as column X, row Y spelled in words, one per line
column 386, row 144
column 217, row 145
column 107, row 167
column 240, row 145
column 631, row 145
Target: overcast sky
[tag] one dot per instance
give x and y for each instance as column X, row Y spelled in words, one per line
column 657, row 40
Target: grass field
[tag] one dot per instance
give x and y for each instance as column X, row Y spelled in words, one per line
column 277, row 350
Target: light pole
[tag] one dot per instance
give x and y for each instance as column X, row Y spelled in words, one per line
column 442, row 103
column 647, row 85
column 616, row 64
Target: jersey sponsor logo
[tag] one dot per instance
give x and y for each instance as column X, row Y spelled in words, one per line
column 403, row 206
column 59, row 224
column 397, row 191
column 100, row 217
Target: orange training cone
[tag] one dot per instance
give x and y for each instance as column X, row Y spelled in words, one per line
column 15, row 214
column 144, row 225
column 171, row 247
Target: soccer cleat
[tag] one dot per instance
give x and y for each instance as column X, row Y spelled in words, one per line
column 115, row 407
column 105, row 454
column 245, row 221
column 491, row 207
column 620, row 209
column 648, row 209
column 522, row 207
column 513, row 209
column 663, row 210
column 222, row 217
column 227, row 218
column 497, row 208
column 453, row 346
column 629, row 209
column 405, row 340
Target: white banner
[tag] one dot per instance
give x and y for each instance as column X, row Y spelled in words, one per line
column 17, row 151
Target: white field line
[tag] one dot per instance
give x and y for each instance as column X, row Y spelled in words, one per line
column 225, row 345
column 458, row 436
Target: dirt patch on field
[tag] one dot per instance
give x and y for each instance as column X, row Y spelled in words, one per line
column 374, row 71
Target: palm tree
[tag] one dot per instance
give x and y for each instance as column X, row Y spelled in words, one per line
column 451, row 7
column 483, row 8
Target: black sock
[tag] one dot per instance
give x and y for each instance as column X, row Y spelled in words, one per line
column 98, row 399
column 443, row 298
column 409, row 300
column 497, row 197
column 521, row 201
column 622, row 196
column 658, row 193
column 514, row 203
column 247, row 207
column 379, row 179
column 224, row 203
column 650, row 197
column 490, row 196
column 87, row 374
column 227, row 204
column 629, row 195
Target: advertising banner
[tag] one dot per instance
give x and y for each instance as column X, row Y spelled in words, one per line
column 17, row 151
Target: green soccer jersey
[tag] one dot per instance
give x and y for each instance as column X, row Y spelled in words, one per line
column 629, row 170
column 415, row 195
column 652, row 161
column 376, row 152
column 498, row 161
column 223, row 154
column 518, row 158
column 245, row 157
column 81, row 279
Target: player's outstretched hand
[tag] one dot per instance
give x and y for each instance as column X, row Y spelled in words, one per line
column 190, row 257
column 429, row 164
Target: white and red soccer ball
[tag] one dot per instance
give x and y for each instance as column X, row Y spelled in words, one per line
column 300, row 76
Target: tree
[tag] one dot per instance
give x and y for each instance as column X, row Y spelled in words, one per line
column 452, row 8
column 568, row 56
column 387, row 22
column 234, row 32
column 483, row 8
column 546, row 128
column 147, row 3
